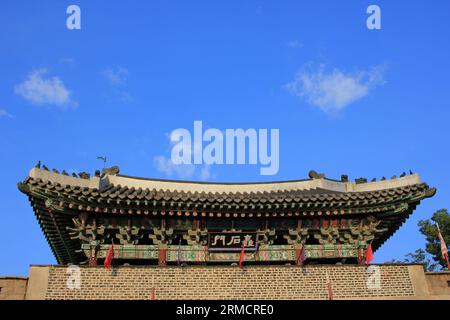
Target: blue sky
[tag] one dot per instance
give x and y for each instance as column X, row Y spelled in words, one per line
column 346, row 99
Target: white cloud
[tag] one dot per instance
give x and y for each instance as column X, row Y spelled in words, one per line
column 205, row 173
column 116, row 76
column 332, row 91
column 41, row 90
column 5, row 114
column 166, row 166
column 295, row 44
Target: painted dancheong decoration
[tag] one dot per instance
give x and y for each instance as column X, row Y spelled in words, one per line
column 150, row 221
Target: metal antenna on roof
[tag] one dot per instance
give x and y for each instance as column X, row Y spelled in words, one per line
column 103, row 159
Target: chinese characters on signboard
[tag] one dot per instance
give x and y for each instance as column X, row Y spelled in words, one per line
column 232, row 241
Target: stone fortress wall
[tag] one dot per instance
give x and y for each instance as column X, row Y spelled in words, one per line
column 229, row 282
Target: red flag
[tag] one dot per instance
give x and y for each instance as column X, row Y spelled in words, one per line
column 369, row 254
column 301, row 257
column 444, row 250
column 109, row 257
column 241, row 258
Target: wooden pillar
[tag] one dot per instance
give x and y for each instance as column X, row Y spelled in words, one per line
column 93, row 255
column 361, row 256
column 196, row 224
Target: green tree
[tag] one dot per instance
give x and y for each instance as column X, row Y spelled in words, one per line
column 420, row 256
column 429, row 229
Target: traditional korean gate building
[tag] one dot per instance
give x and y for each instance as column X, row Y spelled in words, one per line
column 163, row 229
column 165, row 222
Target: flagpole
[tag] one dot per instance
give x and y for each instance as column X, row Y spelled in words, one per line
column 113, row 253
column 329, row 288
column 179, row 253
column 153, row 293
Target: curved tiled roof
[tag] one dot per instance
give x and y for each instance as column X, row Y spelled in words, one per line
column 57, row 197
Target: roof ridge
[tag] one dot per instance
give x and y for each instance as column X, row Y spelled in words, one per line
column 315, row 181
